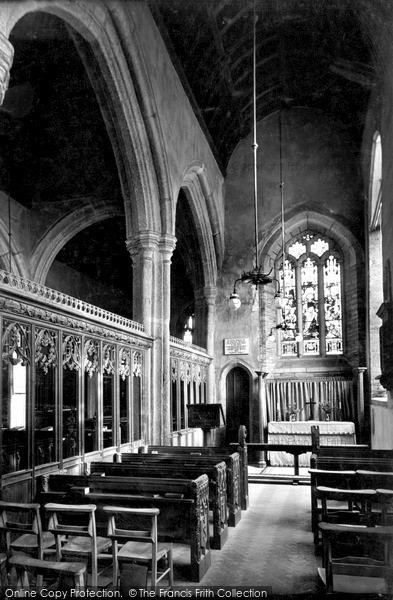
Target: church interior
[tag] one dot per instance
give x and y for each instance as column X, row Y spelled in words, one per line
column 195, row 253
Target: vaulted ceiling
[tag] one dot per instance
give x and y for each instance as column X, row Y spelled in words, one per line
column 312, row 53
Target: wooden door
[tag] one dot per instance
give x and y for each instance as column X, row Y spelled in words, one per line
column 238, row 401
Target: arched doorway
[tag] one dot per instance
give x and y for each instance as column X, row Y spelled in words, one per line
column 238, row 402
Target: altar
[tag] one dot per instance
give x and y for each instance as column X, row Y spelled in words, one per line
column 332, row 433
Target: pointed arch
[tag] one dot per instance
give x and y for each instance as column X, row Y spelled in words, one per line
column 207, row 221
column 134, row 145
column 51, row 243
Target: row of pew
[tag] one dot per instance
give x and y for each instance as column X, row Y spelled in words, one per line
column 352, row 514
column 197, row 490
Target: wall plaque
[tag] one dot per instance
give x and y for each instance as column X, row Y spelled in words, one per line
column 237, row 346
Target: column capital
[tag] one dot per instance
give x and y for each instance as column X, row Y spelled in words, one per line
column 143, row 240
column 210, row 292
column 6, row 58
column 167, row 243
column 207, row 293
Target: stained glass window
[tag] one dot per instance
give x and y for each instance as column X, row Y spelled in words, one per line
column 310, row 308
column 311, row 283
column 332, row 294
column 289, row 346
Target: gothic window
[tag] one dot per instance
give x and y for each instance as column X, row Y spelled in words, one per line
column 312, row 286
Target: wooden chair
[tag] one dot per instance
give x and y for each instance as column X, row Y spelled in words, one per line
column 346, row 506
column 25, row 565
column 138, row 541
column 81, row 539
column 350, row 574
column 25, row 519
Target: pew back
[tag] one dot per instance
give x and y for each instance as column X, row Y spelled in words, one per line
column 183, row 504
column 217, row 485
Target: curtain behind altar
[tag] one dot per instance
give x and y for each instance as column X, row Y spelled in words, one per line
column 286, row 396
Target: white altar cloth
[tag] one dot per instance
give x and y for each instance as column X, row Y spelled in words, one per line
column 332, row 433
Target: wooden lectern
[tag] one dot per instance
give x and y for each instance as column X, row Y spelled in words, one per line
column 206, row 417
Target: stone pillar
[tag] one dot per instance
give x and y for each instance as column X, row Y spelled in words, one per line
column 167, row 246
column 261, row 417
column 210, row 296
column 360, row 402
column 143, row 248
column 6, row 58
column 151, row 258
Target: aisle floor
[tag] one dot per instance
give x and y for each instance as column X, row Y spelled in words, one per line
column 271, row 546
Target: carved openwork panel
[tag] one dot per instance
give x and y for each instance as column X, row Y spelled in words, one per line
column 72, row 352
column 124, row 363
column 108, row 359
column 15, row 343
column 137, row 365
column 46, row 350
column 91, row 357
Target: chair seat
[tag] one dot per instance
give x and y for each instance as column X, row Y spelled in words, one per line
column 28, row 541
column 142, row 551
column 82, row 545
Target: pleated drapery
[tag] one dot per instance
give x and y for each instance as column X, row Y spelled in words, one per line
column 288, row 399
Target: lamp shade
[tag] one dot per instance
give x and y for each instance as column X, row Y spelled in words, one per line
column 234, row 301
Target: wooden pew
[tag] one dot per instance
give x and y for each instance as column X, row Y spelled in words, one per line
column 351, row 457
column 217, row 486
column 196, row 459
column 183, row 504
column 237, row 471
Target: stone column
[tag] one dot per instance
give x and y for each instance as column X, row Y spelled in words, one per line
column 6, row 58
column 210, row 296
column 143, row 248
column 166, row 246
column 261, row 436
column 360, row 402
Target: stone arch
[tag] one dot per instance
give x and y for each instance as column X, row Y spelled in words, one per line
column 51, row 243
column 270, row 249
column 124, row 117
column 195, row 184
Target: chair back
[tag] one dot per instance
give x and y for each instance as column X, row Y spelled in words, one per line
column 134, row 525
column 142, row 526
column 76, row 522
column 22, row 519
column 62, row 519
